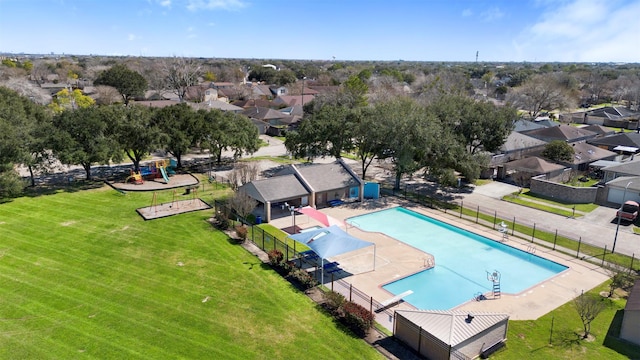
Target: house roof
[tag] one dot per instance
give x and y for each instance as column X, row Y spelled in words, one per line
column 562, row 132
column 291, row 100
column 275, row 189
column 216, row 104
column 586, row 153
column 620, row 139
column 452, row 327
column 252, row 103
column 324, row 177
column 526, row 125
column 629, row 168
column 534, row 164
column 263, row 113
column 599, row 129
column 633, row 302
column 517, row 141
column 613, row 113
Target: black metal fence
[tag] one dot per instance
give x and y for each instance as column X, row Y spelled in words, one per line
column 524, row 228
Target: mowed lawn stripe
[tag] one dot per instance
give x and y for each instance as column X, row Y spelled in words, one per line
column 167, row 288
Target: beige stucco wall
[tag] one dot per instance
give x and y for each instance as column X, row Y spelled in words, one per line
column 630, row 330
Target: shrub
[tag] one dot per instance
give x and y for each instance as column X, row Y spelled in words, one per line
column 357, row 318
column 275, row 257
column 241, row 231
column 304, row 278
column 333, row 301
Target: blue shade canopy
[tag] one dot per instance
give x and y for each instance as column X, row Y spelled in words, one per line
column 330, row 241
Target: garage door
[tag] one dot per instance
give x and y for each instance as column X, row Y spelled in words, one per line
column 615, row 195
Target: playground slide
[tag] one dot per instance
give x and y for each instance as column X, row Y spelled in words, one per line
column 164, row 175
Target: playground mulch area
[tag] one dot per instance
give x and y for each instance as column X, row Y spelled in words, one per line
column 172, row 208
column 175, row 181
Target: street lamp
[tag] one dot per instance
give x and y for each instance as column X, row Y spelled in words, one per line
column 302, row 101
column 292, row 209
column 624, row 195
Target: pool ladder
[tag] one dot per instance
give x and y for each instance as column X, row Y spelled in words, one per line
column 495, row 279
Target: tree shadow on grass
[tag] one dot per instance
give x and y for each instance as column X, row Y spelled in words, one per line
column 51, row 189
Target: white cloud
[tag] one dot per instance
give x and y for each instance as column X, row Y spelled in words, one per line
column 467, row 12
column 492, row 14
column 194, row 5
column 132, row 37
column 165, row 3
column 584, row 31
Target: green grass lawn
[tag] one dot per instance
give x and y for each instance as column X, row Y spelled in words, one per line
column 530, row 339
column 82, row 275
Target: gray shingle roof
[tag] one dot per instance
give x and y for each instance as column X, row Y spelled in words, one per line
column 534, row 164
column 275, row 189
column 562, row 132
column 324, row 177
column 629, row 168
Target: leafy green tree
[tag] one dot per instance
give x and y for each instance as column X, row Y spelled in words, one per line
column 228, row 131
column 80, row 137
column 410, row 134
column 129, row 83
column 326, row 131
column 135, row 131
column 181, row 125
column 284, row 77
column 24, row 126
column 266, row 74
column 357, row 90
column 368, row 139
column 558, row 150
column 482, row 126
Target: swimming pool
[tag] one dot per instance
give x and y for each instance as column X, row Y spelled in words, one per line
column 462, row 260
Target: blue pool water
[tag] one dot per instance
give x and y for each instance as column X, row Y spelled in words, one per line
column 462, row 260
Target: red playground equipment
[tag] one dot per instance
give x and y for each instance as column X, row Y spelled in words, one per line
column 156, row 170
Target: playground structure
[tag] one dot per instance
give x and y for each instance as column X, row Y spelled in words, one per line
column 159, row 169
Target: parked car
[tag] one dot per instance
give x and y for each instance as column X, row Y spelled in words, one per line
column 628, row 211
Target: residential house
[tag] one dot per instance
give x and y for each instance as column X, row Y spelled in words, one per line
column 627, row 168
column 291, row 100
column 562, row 132
column 613, row 116
column 584, row 154
column 524, row 169
column 523, row 125
column 625, row 144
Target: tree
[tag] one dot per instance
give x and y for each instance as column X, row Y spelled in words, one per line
column 180, row 74
column 482, row 126
column 325, row 132
column 541, row 92
column 129, row 83
column 558, row 150
column 228, row 131
column 66, row 100
column 136, row 133
column 182, row 125
column 588, row 308
column 410, row 135
column 24, row 126
column 368, row 139
column 356, row 90
column 80, row 137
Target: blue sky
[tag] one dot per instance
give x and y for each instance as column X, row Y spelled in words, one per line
column 424, row 30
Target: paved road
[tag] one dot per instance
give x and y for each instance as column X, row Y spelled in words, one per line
column 597, row 227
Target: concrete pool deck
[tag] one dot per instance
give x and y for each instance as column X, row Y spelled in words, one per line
column 395, row 260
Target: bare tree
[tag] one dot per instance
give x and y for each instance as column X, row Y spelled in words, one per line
column 243, row 174
column 588, row 307
column 27, row 89
column 541, row 92
column 242, row 204
column 181, row 73
column 107, row 95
